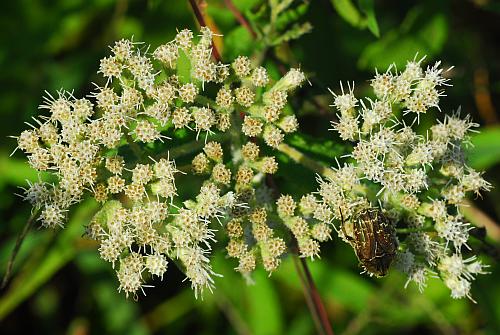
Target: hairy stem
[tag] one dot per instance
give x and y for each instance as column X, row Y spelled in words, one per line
column 17, row 246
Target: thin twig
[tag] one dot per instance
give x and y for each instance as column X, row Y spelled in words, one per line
column 234, row 318
column 240, row 18
column 325, row 322
column 17, row 246
column 202, row 23
column 318, row 310
column 308, row 296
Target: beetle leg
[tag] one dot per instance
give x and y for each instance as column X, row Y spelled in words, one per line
column 349, row 238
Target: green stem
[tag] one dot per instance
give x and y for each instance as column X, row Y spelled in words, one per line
column 235, row 134
column 306, row 161
column 414, row 230
column 135, row 147
column 190, row 147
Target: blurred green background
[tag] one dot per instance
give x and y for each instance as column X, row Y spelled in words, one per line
column 61, row 286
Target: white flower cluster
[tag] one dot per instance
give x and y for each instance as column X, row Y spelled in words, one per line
column 418, row 181
column 114, row 148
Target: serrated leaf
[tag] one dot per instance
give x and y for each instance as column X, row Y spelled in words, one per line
column 279, row 6
column 291, row 15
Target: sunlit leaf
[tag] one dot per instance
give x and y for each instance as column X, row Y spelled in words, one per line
column 348, row 11
column 264, row 311
column 183, row 67
column 238, row 42
column 486, row 150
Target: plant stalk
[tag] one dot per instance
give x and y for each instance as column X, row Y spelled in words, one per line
column 316, row 298
column 17, row 246
column 201, row 21
column 306, row 161
column 308, row 296
column 240, row 18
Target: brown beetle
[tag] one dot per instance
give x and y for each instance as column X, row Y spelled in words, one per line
column 373, row 240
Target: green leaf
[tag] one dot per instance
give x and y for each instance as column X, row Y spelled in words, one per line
column 238, row 42
column 334, row 284
column 486, row 150
column 28, row 282
column 434, row 33
column 245, row 5
column 293, row 33
column 348, row 11
column 183, row 67
column 404, row 43
column 368, row 8
column 16, row 171
column 264, row 310
column 118, row 314
column 291, row 16
column 351, row 290
column 322, row 149
column 362, row 17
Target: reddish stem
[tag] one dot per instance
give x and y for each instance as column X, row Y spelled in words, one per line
column 240, row 18
column 202, row 23
column 320, row 308
column 308, row 296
